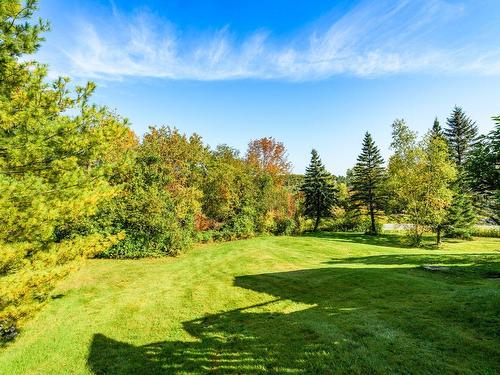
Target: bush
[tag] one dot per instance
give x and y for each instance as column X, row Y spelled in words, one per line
column 486, row 231
column 460, row 233
column 241, row 226
column 205, row 236
column 286, row 226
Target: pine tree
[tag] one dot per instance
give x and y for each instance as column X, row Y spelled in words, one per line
column 318, row 190
column 436, row 130
column 368, row 178
column 461, row 134
column 56, row 153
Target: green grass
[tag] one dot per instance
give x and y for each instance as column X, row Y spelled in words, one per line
column 329, row 303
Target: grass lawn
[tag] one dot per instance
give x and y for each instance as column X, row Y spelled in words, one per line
column 329, row 303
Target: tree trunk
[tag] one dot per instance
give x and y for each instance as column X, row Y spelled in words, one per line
column 318, row 213
column 438, row 235
column 373, row 229
column 316, row 223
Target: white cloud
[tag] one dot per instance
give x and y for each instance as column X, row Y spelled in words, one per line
column 374, row 38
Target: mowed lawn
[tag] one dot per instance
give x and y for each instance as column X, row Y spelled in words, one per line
column 328, row 303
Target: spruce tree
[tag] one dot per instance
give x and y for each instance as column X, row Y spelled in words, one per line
column 436, row 130
column 483, row 173
column 461, row 135
column 460, row 217
column 368, row 178
column 318, row 190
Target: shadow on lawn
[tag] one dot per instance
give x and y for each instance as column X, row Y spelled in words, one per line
column 386, row 240
column 420, row 259
column 364, row 320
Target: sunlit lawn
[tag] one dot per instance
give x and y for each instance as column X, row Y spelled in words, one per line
column 330, row 303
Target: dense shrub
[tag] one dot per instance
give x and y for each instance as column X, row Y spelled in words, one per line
column 486, row 231
column 286, row 226
column 176, row 191
column 159, row 201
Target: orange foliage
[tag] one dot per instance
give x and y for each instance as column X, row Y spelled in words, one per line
column 269, row 155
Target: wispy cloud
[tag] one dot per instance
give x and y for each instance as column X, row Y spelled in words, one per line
column 374, row 38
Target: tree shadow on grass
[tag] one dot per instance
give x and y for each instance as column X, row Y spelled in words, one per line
column 329, row 320
column 385, row 240
column 421, row 259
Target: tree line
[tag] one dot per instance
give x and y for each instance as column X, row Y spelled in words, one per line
column 445, row 182
column 77, row 182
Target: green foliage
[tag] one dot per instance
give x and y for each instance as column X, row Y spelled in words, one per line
column 54, row 165
column 461, row 133
column 286, row 226
column 77, row 183
column 368, row 182
column 19, row 37
column 227, row 186
column 318, row 189
column 460, row 217
column 179, row 191
column 160, row 199
column 486, row 231
column 436, row 130
column 483, row 173
column 419, row 180
column 240, row 226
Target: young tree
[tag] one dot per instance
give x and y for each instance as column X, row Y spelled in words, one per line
column 367, row 181
column 419, row 179
column 461, row 134
column 318, row 189
column 439, row 173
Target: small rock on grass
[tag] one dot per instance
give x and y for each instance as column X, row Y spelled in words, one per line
column 429, row 267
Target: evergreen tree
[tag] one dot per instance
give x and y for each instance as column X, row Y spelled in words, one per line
column 368, row 178
column 460, row 217
column 461, row 135
column 483, row 173
column 436, row 130
column 318, row 190
column 56, row 150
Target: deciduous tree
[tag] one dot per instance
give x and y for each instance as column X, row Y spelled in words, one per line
column 270, row 156
column 419, row 178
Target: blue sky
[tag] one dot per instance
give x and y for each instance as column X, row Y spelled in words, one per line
column 309, row 73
